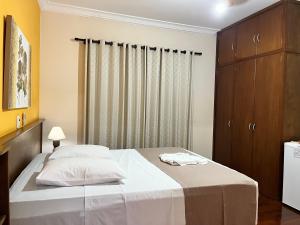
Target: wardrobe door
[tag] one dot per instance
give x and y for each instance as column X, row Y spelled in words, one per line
column 270, row 34
column 246, row 39
column 223, row 115
column 292, row 22
column 267, row 156
column 243, row 117
column 227, row 46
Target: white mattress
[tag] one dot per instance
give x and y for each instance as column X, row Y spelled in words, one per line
column 147, row 197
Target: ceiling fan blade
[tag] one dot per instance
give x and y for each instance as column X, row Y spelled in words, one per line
column 236, row 2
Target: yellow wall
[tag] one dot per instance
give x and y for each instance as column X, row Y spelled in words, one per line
column 26, row 14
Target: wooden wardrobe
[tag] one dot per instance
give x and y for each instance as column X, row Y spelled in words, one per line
column 257, row 99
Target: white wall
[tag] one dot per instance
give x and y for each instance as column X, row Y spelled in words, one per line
column 59, row 69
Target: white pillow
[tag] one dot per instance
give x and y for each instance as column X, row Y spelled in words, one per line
column 79, row 171
column 71, row 151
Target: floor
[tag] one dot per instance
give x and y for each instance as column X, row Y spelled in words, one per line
column 274, row 213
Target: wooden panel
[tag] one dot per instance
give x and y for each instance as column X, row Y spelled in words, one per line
column 227, row 44
column 23, row 150
column 267, row 155
column 22, row 146
column 223, row 115
column 292, row 98
column 17, row 149
column 246, row 42
column 270, row 34
column 242, row 117
column 292, row 28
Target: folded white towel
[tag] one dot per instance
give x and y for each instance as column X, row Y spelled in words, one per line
column 181, row 159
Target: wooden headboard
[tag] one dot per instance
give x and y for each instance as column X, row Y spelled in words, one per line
column 17, row 149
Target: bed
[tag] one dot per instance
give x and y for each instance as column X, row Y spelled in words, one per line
column 111, row 204
column 154, row 193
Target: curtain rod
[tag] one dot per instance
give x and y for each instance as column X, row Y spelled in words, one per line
column 133, row 46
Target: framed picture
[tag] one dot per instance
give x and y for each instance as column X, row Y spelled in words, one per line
column 17, row 68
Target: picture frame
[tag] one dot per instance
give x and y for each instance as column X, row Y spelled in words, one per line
column 17, row 68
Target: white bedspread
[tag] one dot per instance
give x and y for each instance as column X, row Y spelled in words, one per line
column 147, row 197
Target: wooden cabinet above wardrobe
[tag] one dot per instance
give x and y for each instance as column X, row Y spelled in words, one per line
column 246, row 38
column 260, row 34
column 269, row 30
column 227, row 45
column 257, row 101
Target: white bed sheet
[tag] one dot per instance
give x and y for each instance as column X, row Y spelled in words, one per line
column 147, row 197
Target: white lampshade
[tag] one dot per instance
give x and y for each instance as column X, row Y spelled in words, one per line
column 56, row 134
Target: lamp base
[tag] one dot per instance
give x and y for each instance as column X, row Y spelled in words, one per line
column 56, row 144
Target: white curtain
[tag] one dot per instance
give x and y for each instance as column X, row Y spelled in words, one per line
column 137, row 97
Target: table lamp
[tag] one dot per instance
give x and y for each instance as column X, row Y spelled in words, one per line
column 56, row 134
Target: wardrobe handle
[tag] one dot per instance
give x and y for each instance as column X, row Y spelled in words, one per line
column 254, row 39
column 258, row 38
column 249, row 126
column 229, row 123
column 253, row 127
column 232, row 47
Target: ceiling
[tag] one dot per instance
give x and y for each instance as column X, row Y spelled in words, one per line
column 212, row 14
